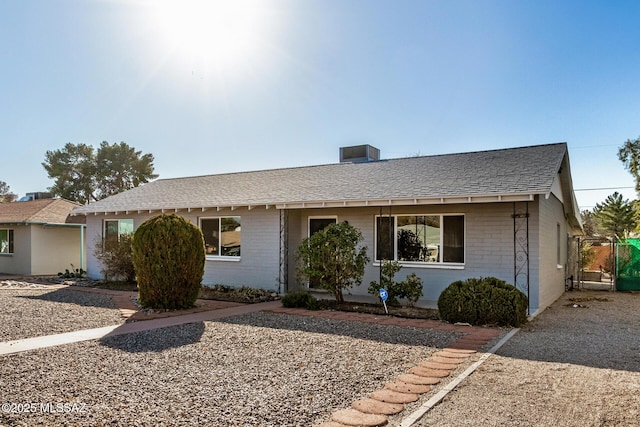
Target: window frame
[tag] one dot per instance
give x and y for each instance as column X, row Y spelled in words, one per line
column 118, row 220
column 10, row 242
column 326, row 217
column 218, row 257
column 422, row 264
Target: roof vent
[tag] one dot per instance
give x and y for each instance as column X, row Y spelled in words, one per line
column 359, row 153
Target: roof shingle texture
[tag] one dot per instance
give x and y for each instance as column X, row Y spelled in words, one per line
column 524, row 170
column 47, row 211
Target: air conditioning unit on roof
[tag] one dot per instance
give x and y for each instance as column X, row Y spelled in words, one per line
column 359, row 153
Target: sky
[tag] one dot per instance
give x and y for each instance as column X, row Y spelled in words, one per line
column 212, row 87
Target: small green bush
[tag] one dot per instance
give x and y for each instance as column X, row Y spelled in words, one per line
column 168, row 255
column 300, row 299
column 74, row 273
column 410, row 288
column 483, row 301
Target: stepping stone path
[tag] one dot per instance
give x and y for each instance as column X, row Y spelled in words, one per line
column 408, row 387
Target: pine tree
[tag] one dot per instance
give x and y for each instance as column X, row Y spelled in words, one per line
column 616, row 216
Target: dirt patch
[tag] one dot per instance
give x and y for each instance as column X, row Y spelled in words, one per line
column 408, row 312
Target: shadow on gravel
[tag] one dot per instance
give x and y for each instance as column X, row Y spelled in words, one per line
column 353, row 329
column 155, row 340
column 72, row 297
column 589, row 328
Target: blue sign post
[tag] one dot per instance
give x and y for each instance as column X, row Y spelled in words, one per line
column 383, row 296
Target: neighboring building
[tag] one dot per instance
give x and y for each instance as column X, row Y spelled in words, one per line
column 507, row 213
column 39, row 237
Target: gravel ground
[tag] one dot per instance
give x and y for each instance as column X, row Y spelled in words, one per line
column 259, row 369
column 45, row 310
column 577, row 364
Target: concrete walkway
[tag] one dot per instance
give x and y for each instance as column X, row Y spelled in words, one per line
column 16, row 346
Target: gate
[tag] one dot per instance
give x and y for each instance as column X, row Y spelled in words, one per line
column 628, row 265
column 596, row 263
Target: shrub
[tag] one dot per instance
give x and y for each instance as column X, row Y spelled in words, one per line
column 332, row 259
column 388, row 270
column 74, row 273
column 410, row 288
column 300, row 299
column 168, row 255
column 483, row 301
column 116, row 258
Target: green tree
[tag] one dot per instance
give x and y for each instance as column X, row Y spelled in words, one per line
column 590, row 223
column 629, row 154
column 82, row 174
column 5, row 193
column 616, row 215
column 332, row 259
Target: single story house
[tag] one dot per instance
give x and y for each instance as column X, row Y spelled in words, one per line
column 509, row 213
column 40, row 237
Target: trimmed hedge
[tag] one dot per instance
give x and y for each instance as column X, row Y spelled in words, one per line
column 482, row 301
column 300, row 299
column 168, row 255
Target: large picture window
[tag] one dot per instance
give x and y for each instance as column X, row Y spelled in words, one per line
column 6, row 241
column 420, row 238
column 222, row 236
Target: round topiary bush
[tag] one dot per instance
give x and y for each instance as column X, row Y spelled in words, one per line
column 168, row 255
column 483, row 301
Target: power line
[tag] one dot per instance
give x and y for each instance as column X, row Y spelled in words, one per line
column 601, row 188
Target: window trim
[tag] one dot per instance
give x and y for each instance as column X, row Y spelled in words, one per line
column 10, row 240
column 104, row 226
column 309, row 218
column 222, row 258
column 420, row 264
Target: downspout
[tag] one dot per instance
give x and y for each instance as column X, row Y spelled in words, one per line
column 82, row 266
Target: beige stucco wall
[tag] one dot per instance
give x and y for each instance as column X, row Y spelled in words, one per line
column 42, row 250
column 54, row 249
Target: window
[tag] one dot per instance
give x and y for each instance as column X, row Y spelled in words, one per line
column 222, row 236
column 558, row 245
column 420, row 238
column 318, row 224
column 114, row 228
column 6, row 241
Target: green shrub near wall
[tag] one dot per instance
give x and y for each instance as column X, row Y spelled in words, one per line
column 168, row 255
column 482, row 301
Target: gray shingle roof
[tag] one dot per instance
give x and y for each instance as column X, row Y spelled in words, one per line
column 42, row 211
column 496, row 173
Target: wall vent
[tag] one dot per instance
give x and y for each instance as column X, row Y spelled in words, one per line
column 359, row 153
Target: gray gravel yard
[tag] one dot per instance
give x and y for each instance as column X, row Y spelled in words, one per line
column 35, row 312
column 577, row 364
column 259, row 369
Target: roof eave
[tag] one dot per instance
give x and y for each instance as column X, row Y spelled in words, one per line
column 311, row 204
